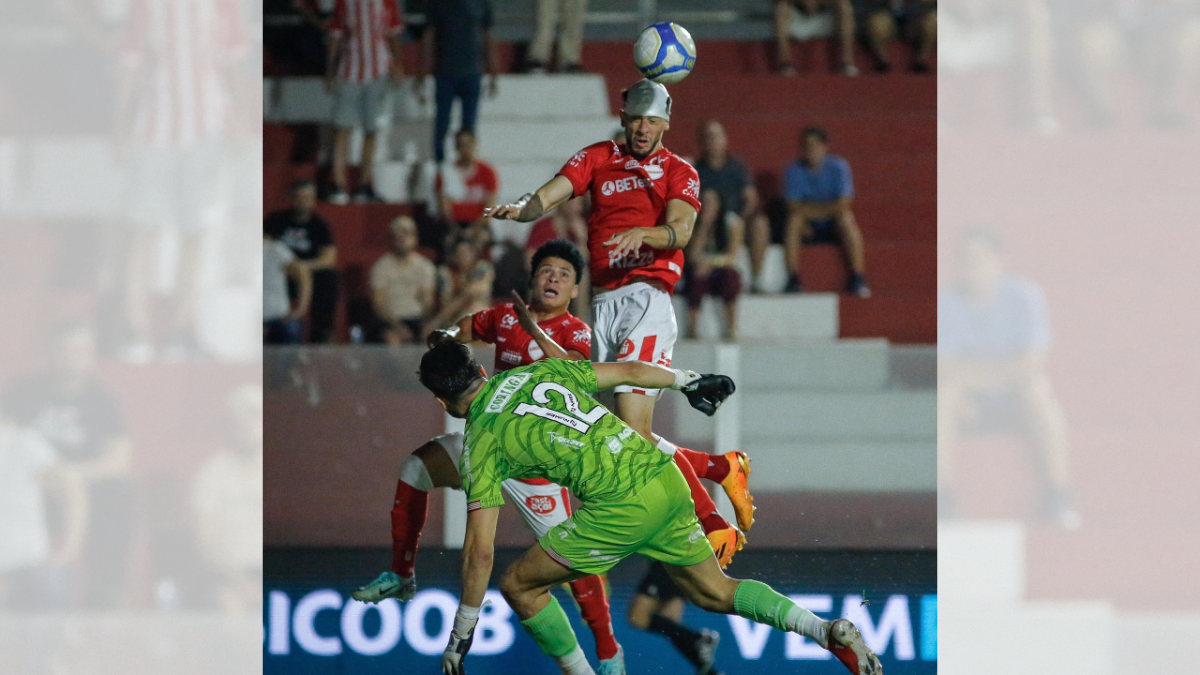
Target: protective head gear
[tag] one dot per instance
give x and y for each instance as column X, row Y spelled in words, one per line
column 647, row 99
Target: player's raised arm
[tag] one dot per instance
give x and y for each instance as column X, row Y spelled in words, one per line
column 534, row 205
column 705, row 393
column 461, row 332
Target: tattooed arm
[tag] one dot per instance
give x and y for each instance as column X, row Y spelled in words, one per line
column 535, row 204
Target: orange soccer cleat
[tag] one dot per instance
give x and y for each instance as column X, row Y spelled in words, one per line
column 847, row 645
column 725, row 543
column 737, row 487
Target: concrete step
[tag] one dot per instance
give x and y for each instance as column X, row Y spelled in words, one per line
column 502, row 140
column 806, row 316
column 850, row 466
column 1139, row 635
column 541, row 97
column 1000, row 638
column 842, row 365
column 981, row 560
column 797, row 416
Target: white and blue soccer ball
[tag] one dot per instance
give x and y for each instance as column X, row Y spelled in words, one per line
column 665, row 53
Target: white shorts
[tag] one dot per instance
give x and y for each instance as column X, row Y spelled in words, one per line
column 634, row 323
column 541, row 506
column 363, row 105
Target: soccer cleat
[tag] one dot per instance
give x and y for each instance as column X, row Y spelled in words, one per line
column 387, row 585
column 706, row 650
column 613, row 666
column 725, row 543
column 847, row 645
column 737, row 487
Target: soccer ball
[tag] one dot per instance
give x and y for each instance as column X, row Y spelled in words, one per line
column 665, row 53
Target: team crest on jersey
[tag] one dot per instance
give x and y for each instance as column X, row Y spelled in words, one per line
column 535, row 351
column 653, row 170
column 508, row 321
column 541, row 504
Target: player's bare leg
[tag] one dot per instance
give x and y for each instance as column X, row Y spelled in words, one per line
column 526, row 587
column 428, row 467
column 707, row 586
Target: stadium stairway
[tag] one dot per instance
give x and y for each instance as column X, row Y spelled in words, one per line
column 886, row 127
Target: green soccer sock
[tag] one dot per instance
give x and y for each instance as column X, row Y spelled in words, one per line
column 758, row 602
column 551, row 630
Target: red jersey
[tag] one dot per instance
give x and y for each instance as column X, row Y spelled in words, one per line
column 468, row 193
column 366, row 26
column 629, row 193
column 514, row 347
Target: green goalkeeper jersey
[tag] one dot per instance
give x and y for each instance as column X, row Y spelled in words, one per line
column 539, row 421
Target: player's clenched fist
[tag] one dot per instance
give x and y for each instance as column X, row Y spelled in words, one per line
column 460, row 640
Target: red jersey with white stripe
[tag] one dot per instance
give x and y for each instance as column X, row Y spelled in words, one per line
column 365, row 27
column 628, row 193
column 514, row 347
column 179, row 50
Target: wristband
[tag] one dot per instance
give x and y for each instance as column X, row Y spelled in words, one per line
column 465, row 619
column 683, row 378
column 525, row 199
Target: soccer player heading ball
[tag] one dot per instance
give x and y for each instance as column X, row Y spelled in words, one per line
column 644, row 205
column 540, row 421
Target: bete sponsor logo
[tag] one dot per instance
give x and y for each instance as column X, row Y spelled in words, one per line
column 624, row 185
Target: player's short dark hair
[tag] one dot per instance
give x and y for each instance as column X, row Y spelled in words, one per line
column 816, row 132
column 448, row 370
column 559, row 248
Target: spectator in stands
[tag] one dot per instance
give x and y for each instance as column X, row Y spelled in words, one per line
column 464, row 286
column 282, row 323
column 570, row 35
column 403, row 284
column 993, row 341
column 813, row 19
column 364, row 59
column 458, row 49
column 987, row 35
column 710, row 266
column 304, row 231
column 32, row 476
column 726, row 182
column 915, row 21
column 465, row 188
column 78, row 415
column 174, row 146
column 818, row 189
column 227, row 498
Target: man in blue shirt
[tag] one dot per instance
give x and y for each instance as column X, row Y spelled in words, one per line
column 818, row 189
column 993, row 338
column 458, row 41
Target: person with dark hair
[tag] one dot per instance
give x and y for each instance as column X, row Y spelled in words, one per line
column 540, row 421
column 522, row 335
column 818, row 189
column 464, row 284
column 644, row 204
column 465, row 188
column 657, row 607
column 993, row 342
column 306, row 233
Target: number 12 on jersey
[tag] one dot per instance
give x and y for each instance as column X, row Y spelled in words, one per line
column 574, row 418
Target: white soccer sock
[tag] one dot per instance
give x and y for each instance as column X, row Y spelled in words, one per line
column 804, row 622
column 415, row 473
column 575, row 663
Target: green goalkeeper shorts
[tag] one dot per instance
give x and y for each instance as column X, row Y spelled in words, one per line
column 659, row 521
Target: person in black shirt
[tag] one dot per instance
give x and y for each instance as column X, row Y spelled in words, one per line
column 733, row 189
column 80, row 417
column 458, row 40
column 307, row 234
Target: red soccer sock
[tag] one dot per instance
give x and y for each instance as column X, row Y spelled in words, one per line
column 593, row 606
column 408, row 518
column 706, row 509
column 708, row 467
